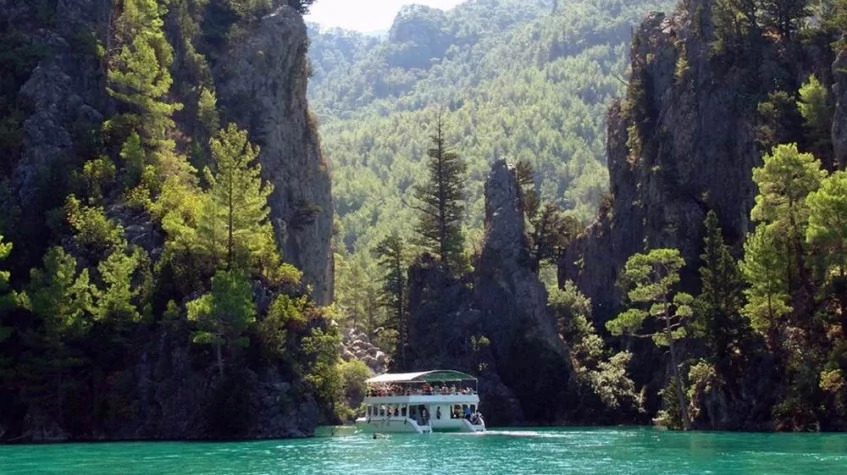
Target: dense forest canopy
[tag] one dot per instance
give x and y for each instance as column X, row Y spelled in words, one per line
column 520, row 80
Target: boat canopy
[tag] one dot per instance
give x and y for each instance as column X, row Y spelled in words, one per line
column 421, row 377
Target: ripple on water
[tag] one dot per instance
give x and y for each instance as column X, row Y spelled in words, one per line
column 512, row 451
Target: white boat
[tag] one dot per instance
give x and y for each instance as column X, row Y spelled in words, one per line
column 421, row 403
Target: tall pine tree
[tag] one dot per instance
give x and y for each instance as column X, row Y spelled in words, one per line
column 391, row 253
column 650, row 280
column 718, row 307
column 224, row 314
column 233, row 225
column 441, row 203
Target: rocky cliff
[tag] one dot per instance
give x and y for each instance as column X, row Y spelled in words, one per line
column 261, row 83
column 153, row 382
column 681, row 143
column 497, row 323
column 839, row 119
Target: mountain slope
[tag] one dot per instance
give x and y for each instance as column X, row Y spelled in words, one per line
column 512, row 79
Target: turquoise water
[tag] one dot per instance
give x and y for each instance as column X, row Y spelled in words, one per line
column 573, row 450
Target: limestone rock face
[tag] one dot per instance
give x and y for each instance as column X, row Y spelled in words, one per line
column 524, row 370
column 839, row 119
column 697, row 150
column 357, row 346
column 512, row 302
column 507, row 291
column 64, row 97
column 261, row 85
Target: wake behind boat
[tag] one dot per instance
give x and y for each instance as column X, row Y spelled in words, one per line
column 424, row 402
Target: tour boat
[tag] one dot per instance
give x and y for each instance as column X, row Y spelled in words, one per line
column 421, row 403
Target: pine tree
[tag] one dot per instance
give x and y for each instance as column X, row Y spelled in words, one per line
column 138, row 74
column 827, row 231
column 441, row 203
column 649, row 280
column 61, row 297
column 817, row 117
column 139, row 78
column 783, row 16
column 126, row 285
column 767, row 294
column 8, row 299
column 550, row 230
column 718, row 307
column 391, row 254
column 785, row 180
column 233, row 225
column 223, row 315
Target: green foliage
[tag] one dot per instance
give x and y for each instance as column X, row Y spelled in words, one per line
column 780, row 121
column 353, row 375
column 441, row 203
column 357, row 295
column 650, row 279
column 321, row 347
column 134, row 160
column 92, row 228
column 286, row 315
column 604, row 373
column 8, row 298
column 817, row 116
column 783, row 16
column 827, row 228
column 138, row 73
column 785, row 180
column 207, row 112
column 717, row 308
column 61, row 297
column 393, row 261
column 767, row 294
column 703, row 378
column 123, row 296
column 222, row 316
column 550, row 230
column 736, row 24
column 513, row 81
column 233, row 224
column 98, row 174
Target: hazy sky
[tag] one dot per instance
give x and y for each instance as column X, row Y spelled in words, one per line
column 365, row 15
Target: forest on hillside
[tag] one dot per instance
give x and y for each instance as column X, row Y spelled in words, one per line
column 518, row 80
column 736, row 329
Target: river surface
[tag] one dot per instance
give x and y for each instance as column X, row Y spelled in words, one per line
column 510, row 451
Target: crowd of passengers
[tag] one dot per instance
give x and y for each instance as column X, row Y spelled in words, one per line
column 422, row 416
column 386, row 389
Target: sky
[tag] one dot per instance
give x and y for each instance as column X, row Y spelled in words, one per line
column 365, row 15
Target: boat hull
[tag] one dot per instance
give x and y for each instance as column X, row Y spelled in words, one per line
column 392, row 425
column 410, row 426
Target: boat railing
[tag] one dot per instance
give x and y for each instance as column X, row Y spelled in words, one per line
column 388, row 392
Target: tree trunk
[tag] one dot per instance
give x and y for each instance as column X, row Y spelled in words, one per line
column 680, row 393
column 220, row 359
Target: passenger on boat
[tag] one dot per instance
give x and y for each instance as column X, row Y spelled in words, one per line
column 438, row 413
column 468, row 412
